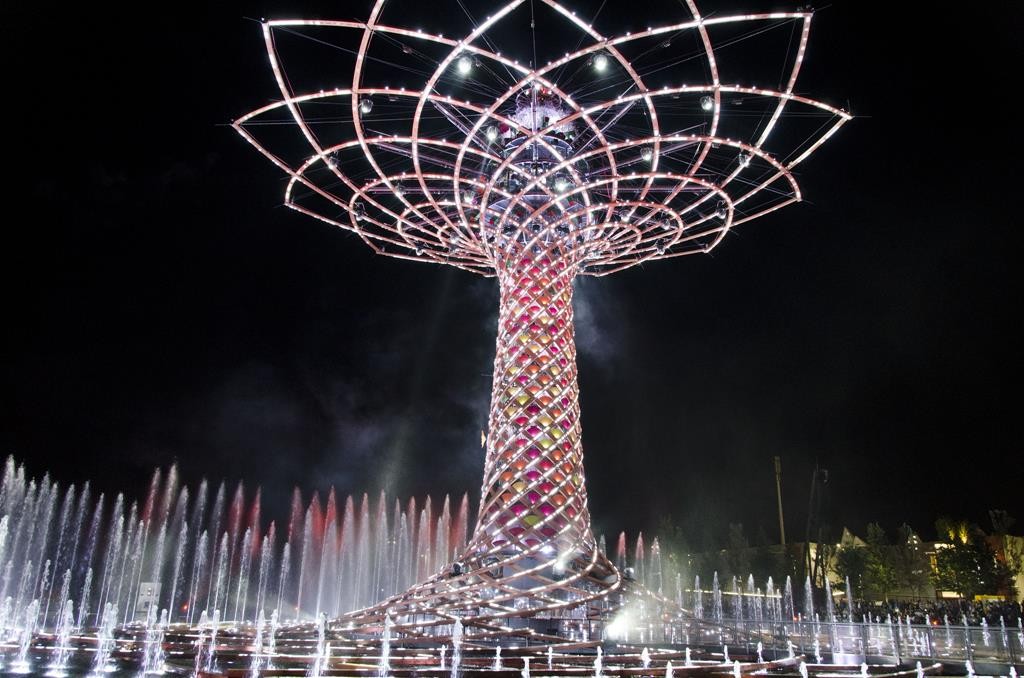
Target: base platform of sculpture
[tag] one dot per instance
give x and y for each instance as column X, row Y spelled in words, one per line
column 524, row 597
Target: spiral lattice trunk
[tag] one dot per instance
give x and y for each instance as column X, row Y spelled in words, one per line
column 533, row 497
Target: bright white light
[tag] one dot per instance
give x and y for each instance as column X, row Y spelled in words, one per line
column 600, row 62
column 744, row 160
column 467, row 197
column 647, row 154
column 492, row 133
column 619, row 626
column 707, row 103
column 561, row 185
column 465, row 65
column 365, row 105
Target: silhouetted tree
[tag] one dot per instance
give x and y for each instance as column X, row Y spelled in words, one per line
column 880, row 574
column 912, row 567
column 967, row 566
column 852, row 563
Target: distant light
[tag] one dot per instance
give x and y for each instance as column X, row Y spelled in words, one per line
column 365, row 105
column 647, row 154
column 465, row 65
column 467, row 197
column 492, row 133
column 600, row 62
column 707, row 103
column 561, row 185
column 744, row 160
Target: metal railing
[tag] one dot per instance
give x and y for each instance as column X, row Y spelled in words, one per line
column 846, row 640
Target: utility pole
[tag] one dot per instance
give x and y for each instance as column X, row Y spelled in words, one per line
column 778, row 495
column 814, row 527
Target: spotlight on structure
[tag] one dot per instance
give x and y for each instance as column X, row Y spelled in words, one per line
column 365, row 105
column 464, row 64
column 707, row 103
column 647, row 154
column 600, row 62
column 744, row 160
column 561, row 185
column 492, row 133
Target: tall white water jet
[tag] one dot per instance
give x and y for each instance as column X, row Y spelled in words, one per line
column 257, row 661
column 645, row 658
column 59, row 665
column 443, row 652
column 525, row 673
column 668, row 669
column 83, row 609
column 1013, row 672
column 716, row 596
column 788, row 606
column 551, row 653
column 598, row 663
column 200, row 647
column 105, row 640
column 5, row 615
column 456, row 648
column 65, row 591
column 725, row 654
column 817, row 650
column 272, row 639
column 753, row 595
column 153, row 645
column 211, row 656
column 317, row 667
column 919, row 670
column 736, row 669
column 969, row 667
column 698, row 598
column 497, row 659
column 689, row 661
column 760, row 652
column 737, row 603
column 864, row 670
column 23, row 664
column 384, row 665
column 790, row 649
column 808, row 599
column 803, row 670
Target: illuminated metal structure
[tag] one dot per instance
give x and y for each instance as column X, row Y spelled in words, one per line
column 603, row 158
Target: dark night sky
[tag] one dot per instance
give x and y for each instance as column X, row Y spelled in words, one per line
column 160, row 305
